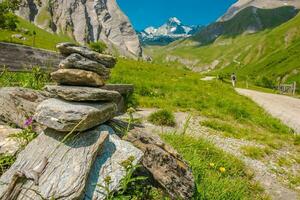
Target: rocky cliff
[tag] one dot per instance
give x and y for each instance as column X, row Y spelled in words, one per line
column 85, row 20
column 262, row 4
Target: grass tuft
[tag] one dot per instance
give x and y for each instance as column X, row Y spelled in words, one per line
column 162, row 118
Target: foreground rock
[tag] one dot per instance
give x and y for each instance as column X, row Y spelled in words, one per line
column 7, row 145
column 64, row 116
column 76, row 61
column 115, row 151
column 75, row 93
column 66, row 169
column 77, row 77
column 69, row 48
column 164, row 163
column 123, row 89
column 18, row 104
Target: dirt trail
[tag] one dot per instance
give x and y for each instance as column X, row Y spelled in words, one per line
column 285, row 108
column 263, row 173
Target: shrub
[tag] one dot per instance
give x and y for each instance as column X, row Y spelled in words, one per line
column 99, row 47
column 7, row 19
column 162, row 118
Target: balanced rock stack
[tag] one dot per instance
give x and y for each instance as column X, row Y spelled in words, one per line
column 80, row 101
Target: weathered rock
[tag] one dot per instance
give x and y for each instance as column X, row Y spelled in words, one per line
column 115, row 151
column 69, row 48
column 18, row 104
column 74, row 93
column 123, row 89
column 77, row 77
column 63, row 116
column 164, row 163
column 76, row 61
column 86, row 21
column 67, row 170
column 8, row 145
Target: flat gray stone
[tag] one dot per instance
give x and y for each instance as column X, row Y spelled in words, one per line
column 75, row 93
column 69, row 48
column 69, row 165
column 77, row 61
column 77, row 77
column 115, row 151
column 63, row 116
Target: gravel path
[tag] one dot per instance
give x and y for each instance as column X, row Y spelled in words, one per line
column 263, row 173
column 285, row 108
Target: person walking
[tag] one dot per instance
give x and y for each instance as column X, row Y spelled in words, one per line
column 233, row 79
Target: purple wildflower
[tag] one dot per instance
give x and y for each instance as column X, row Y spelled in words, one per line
column 28, row 121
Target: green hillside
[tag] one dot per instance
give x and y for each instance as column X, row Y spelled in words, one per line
column 266, row 56
column 42, row 39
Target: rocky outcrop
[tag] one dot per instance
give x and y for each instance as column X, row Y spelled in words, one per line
column 85, row 21
column 166, row 166
column 262, row 4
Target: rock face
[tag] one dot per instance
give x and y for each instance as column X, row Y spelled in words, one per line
column 64, row 116
column 18, row 104
column 76, row 61
column 164, row 163
column 115, row 151
column 69, row 48
column 68, row 168
column 263, row 4
column 85, row 21
column 75, row 93
column 77, row 77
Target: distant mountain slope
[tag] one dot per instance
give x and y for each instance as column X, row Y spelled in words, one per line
column 248, row 20
column 85, row 21
column 172, row 30
column 263, row 4
column 266, row 56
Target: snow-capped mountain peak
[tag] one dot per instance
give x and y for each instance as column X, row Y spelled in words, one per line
column 172, row 30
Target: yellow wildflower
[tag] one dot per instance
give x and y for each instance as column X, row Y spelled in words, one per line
column 222, row 169
column 211, row 164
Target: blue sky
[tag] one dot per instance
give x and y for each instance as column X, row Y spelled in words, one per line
column 144, row 13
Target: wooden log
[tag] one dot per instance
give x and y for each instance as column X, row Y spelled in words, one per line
column 66, row 172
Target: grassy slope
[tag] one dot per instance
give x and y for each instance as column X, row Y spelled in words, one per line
column 43, row 39
column 270, row 53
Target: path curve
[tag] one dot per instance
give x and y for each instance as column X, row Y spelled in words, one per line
column 285, row 108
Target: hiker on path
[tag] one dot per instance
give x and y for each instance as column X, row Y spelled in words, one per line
column 233, row 79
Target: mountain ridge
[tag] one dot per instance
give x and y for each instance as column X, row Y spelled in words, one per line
column 170, row 31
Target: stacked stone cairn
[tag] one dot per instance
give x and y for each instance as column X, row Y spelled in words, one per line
column 76, row 152
column 80, row 102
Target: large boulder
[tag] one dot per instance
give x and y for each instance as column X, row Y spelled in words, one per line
column 7, row 144
column 18, row 104
column 76, row 93
column 108, row 164
column 164, row 163
column 69, row 48
column 77, row 77
column 76, row 61
column 54, row 169
column 64, row 116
